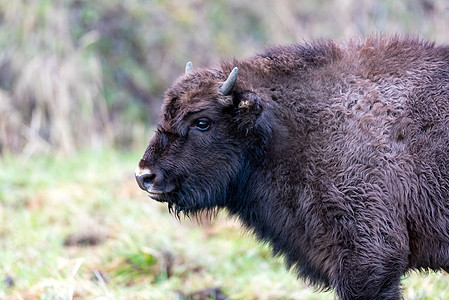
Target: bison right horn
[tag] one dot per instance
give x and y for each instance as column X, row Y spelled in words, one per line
column 228, row 85
column 189, row 68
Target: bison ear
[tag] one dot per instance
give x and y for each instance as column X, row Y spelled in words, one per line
column 249, row 101
column 249, row 107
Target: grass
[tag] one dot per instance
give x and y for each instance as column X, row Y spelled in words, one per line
column 79, row 228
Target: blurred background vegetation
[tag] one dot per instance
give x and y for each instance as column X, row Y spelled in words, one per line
column 81, row 73
column 81, row 83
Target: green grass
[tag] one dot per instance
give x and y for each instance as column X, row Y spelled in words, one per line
column 52, row 208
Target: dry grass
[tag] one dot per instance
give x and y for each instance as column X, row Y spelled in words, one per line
column 51, row 94
column 78, row 73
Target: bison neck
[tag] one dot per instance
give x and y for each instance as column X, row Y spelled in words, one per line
column 271, row 201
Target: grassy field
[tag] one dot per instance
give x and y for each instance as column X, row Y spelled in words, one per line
column 79, row 228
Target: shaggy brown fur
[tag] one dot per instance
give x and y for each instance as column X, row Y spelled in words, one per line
column 336, row 155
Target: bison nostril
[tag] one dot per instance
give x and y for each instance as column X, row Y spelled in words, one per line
column 145, row 180
column 148, row 179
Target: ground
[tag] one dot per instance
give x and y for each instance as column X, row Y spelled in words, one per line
column 78, row 227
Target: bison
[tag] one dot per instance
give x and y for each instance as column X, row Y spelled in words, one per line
column 335, row 154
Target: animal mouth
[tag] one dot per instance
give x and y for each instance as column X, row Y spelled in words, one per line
column 158, row 196
column 162, row 196
column 175, row 206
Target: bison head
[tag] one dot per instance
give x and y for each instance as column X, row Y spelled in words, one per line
column 209, row 136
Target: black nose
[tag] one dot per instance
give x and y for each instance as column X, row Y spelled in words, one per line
column 145, row 180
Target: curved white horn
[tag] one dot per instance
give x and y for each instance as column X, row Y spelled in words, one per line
column 189, row 67
column 228, row 85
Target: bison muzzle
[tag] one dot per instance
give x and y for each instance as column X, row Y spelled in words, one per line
column 338, row 155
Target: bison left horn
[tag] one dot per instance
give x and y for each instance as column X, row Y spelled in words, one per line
column 189, row 68
column 228, row 85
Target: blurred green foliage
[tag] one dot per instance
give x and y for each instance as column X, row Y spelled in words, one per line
column 79, row 73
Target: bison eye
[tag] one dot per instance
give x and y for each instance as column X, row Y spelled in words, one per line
column 202, row 124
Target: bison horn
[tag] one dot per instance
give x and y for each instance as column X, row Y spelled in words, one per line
column 228, row 85
column 189, row 68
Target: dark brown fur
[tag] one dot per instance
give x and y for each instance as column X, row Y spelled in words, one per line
column 336, row 155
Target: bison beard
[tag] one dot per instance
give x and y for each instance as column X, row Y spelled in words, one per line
column 336, row 155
